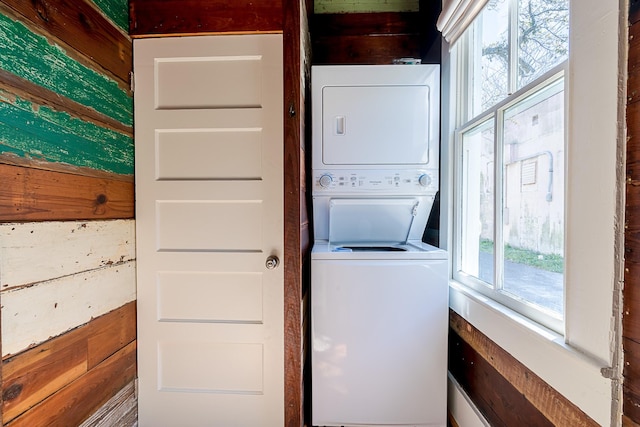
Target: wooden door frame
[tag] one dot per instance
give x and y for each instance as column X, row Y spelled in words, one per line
column 296, row 231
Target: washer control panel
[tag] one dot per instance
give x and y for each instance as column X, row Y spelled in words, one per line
column 408, row 181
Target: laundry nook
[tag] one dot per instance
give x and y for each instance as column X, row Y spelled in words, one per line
column 378, row 293
column 319, row 213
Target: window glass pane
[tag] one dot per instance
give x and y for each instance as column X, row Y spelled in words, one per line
column 491, row 56
column 533, row 198
column 477, row 202
column 543, row 37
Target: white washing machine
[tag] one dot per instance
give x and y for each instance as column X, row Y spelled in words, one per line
column 379, row 295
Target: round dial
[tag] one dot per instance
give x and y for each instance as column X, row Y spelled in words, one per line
column 325, row 180
column 424, row 180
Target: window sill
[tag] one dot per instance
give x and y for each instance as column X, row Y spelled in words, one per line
column 573, row 374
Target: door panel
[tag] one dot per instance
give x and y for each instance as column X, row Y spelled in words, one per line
column 237, row 83
column 210, row 297
column 209, row 154
column 209, row 210
column 210, row 225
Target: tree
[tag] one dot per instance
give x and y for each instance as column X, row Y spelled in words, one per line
column 543, row 41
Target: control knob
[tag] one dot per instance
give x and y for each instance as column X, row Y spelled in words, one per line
column 325, row 181
column 424, row 180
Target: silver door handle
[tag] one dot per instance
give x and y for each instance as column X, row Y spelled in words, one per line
column 272, row 262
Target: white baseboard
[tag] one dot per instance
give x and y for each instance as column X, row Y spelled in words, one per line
column 462, row 408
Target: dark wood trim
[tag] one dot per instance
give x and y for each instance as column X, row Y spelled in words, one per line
column 36, row 195
column 628, row 422
column 634, row 11
column 451, row 422
column 631, row 314
column 631, row 290
column 38, row 374
column 365, row 38
column 83, row 29
column 370, row 50
column 293, row 107
column 148, row 17
column 503, row 388
column 355, row 24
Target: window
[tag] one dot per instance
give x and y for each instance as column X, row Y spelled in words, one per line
column 570, row 359
column 510, row 156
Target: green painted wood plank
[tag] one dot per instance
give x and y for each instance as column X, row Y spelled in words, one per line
column 39, row 132
column 365, row 6
column 116, row 10
column 33, row 58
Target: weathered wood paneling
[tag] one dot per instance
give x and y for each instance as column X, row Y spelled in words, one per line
column 39, row 373
column 13, row 86
column 37, row 195
column 117, row 11
column 32, row 314
column 365, row 38
column 78, row 400
column 166, row 17
column 87, row 246
column 504, row 390
column 32, row 57
column 121, row 410
column 30, row 130
column 83, row 29
column 66, row 153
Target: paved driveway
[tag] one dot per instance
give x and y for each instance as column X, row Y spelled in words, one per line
column 541, row 287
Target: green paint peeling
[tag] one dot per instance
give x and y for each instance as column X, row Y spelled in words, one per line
column 116, row 10
column 33, row 58
column 365, row 6
column 42, row 133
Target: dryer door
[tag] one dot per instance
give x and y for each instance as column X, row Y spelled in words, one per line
column 375, row 125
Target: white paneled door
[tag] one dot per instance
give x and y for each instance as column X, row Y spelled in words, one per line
column 209, row 218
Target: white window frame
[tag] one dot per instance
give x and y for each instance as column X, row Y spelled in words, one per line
column 581, row 362
column 495, row 114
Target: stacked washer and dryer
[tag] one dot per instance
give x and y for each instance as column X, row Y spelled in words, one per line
column 379, row 295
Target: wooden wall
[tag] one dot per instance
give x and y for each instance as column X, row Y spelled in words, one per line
column 505, row 391
column 67, row 249
column 376, row 37
column 631, row 311
column 174, row 17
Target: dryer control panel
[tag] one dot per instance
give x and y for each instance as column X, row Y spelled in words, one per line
column 422, row 181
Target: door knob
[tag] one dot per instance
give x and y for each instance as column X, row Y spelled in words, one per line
column 272, row 262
